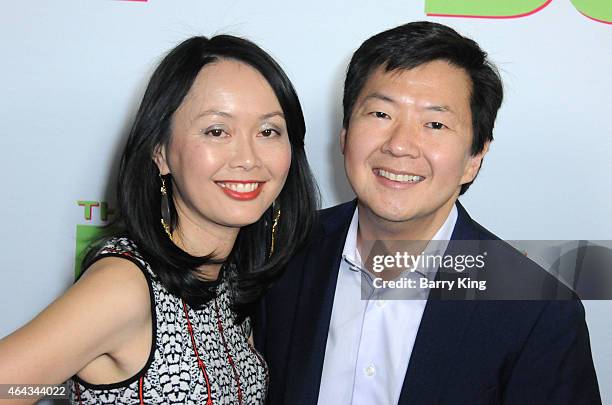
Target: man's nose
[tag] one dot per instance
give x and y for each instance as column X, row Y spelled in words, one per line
column 404, row 140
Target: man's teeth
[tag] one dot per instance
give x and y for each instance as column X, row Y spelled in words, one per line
column 403, row 178
column 240, row 187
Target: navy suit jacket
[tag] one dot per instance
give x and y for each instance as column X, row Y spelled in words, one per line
column 466, row 352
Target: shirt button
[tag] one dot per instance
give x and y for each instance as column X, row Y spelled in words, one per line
column 370, row 370
column 380, row 303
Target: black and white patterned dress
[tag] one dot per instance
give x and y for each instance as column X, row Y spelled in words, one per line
column 197, row 356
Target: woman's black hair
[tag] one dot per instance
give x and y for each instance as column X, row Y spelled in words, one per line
column 250, row 267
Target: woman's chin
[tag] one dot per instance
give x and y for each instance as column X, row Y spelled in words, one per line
column 240, row 220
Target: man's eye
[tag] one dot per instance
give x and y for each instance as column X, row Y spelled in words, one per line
column 380, row 114
column 267, row 133
column 435, row 125
column 215, row 132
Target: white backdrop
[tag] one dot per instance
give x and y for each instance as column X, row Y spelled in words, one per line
column 73, row 72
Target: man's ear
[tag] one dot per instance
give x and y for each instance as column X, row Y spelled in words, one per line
column 473, row 164
column 159, row 157
column 342, row 139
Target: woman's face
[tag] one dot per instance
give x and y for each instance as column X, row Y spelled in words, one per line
column 229, row 151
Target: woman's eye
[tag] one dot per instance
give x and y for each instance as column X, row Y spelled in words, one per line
column 380, row 114
column 215, row 132
column 435, row 125
column 267, row 133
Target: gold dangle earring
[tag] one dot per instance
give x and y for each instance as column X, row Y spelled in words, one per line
column 165, row 208
column 277, row 215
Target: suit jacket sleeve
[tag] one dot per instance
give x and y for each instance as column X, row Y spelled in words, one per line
column 555, row 366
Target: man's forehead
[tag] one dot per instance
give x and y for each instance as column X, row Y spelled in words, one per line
column 433, row 67
column 442, row 79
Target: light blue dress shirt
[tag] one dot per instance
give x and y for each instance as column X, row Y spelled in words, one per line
column 370, row 340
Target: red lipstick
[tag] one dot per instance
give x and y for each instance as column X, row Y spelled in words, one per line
column 241, row 195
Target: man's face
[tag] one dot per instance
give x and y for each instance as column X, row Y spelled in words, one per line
column 408, row 143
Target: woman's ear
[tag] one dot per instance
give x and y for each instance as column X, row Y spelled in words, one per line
column 159, row 157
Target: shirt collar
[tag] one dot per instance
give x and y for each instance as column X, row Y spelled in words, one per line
column 351, row 254
column 350, row 251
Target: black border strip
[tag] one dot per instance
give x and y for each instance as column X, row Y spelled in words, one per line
column 142, row 372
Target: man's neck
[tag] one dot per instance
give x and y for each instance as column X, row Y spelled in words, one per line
column 376, row 236
column 372, row 227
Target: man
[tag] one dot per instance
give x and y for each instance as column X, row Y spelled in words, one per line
column 420, row 103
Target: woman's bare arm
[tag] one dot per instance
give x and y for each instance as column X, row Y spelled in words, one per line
column 98, row 315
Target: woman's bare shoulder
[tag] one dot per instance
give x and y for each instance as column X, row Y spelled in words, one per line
column 97, row 315
column 118, row 281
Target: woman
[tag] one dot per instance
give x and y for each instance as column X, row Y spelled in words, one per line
column 215, row 195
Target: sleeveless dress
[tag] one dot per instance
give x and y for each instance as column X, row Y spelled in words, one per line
column 197, row 356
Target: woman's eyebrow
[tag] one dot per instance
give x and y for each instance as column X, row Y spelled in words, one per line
column 228, row 115
column 273, row 114
column 215, row 112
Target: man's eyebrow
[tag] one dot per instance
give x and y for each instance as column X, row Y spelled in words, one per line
column 379, row 96
column 439, row 108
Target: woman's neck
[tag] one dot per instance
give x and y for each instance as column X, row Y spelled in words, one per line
column 207, row 239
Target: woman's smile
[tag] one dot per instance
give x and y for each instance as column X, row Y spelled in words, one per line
column 241, row 189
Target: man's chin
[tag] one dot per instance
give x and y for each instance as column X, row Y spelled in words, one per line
column 395, row 215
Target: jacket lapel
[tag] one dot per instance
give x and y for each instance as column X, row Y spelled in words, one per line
column 442, row 329
column 319, row 277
